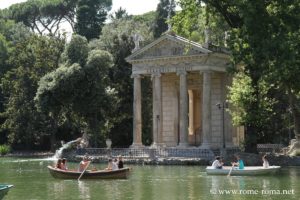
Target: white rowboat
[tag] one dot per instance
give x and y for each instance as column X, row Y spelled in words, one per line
column 247, row 171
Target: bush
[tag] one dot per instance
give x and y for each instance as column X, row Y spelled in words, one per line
column 4, row 149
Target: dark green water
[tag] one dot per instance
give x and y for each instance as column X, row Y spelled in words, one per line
column 32, row 181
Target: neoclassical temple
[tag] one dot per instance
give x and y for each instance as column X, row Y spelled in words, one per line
column 189, row 94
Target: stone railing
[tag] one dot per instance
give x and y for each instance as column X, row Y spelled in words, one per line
column 152, row 153
column 269, row 148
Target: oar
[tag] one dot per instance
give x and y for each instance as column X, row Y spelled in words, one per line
column 84, row 170
column 230, row 170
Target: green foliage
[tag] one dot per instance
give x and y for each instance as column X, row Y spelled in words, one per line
column 117, row 39
column 81, row 89
column 194, row 18
column 123, row 27
column 90, row 17
column 164, row 8
column 4, row 149
column 30, row 60
column 43, row 16
column 77, row 50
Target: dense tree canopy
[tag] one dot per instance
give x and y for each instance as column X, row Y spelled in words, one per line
column 30, row 60
column 90, row 17
column 43, row 16
column 264, row 41
column 164, row 11
column 81, row 87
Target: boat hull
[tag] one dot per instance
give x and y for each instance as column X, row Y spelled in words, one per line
column 101, row 174
column 247, row 171
column 4, row 189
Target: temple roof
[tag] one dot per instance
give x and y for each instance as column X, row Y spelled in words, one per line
column 169, row 45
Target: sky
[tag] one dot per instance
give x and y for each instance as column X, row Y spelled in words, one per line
column 133, row 7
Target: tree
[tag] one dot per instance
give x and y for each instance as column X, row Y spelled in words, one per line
column 194, row 18
column 90, row 17
column 43, row 16
column 164, row 11
column 119, row 14
column 117, row 39
column 80, row 88
column 262, row 40
column 30, row 60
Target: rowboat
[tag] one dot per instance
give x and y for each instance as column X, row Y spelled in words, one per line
column 247, row 171
column 4, row 189
column 89, row 174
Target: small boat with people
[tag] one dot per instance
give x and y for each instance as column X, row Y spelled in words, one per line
column 4, row 188
column 89, row 174
column 246, row 171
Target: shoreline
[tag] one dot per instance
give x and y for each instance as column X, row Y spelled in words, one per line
column 249, row 159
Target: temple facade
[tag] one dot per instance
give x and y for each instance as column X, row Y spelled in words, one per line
column 189, row 94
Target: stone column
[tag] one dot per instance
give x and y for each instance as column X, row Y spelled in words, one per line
column 206, row 110
column 156, row 78
column 191, row 112
column 183, row 106
column 137, row 111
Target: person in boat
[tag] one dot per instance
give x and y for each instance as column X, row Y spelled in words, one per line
column 59, row 164
column 115, row 164
column 120, row 162
column 265, row 161
column 110, row 164
column 64, row 164
column 239, row 163
column 217, row 164
column 84, row 163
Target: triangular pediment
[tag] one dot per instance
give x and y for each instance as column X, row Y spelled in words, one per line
column 168, row 46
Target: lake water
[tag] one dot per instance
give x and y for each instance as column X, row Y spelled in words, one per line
column 32, row 181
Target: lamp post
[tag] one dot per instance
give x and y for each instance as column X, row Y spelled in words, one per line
column 223, row 106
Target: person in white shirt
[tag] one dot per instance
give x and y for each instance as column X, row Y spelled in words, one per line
column 217, row 164
column 265, row 161
column 115, row 164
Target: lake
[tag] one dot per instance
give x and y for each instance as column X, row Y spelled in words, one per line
column 32, row 181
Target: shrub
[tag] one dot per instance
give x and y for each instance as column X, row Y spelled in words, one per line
column 4, row 149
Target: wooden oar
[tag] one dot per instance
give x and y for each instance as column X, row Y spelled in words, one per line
column 84, row 170
column 230, row 170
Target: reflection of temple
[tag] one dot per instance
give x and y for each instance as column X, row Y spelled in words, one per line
column 188, row 81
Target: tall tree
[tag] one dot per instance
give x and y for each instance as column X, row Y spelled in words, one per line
column 80, row 88
column 263, row 39
column 43, row 16
column 117, row 39
column 31, row 59
column 90, row 17
column 164, row 11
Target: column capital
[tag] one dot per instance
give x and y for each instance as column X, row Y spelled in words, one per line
column 136, row 76
column 155, row 74
column 181, row 72
column 208, row 71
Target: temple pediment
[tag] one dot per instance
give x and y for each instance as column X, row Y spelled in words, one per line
column 168, row 46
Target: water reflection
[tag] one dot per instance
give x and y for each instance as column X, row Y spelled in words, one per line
column 84, row 190
column 145, row 182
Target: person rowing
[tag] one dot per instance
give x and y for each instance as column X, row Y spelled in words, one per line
column 84, row 163
column 239, row 163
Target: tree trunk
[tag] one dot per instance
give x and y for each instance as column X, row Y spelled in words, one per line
column 251, row 139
